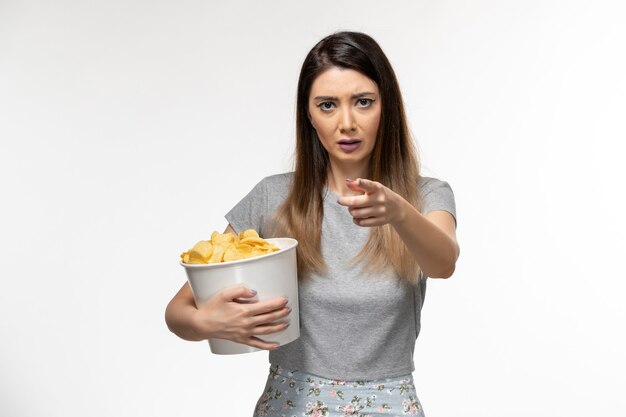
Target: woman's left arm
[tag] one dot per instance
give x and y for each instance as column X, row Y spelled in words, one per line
column 431, row 237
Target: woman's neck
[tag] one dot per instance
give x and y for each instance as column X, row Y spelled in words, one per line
column 337, row 176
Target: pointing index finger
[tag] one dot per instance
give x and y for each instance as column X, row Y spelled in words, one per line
column 363, row 185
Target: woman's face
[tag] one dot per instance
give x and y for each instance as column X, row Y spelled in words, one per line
column 344, row 108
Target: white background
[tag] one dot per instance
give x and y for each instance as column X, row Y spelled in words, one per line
column 128, row 129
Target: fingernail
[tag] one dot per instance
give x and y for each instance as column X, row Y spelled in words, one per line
column 253, row 291
column 275, row 346
column 286, row 300
column 286, row 325
column 349, row 180
column 289, row 308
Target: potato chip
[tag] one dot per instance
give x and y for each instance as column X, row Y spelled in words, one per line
column 254, row 241
column 201, row 252
column 232, row 253
column 248, row 233
column 217, row 256
column 218, row 238
column 228, row 247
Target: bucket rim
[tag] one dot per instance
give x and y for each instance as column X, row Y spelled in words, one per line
column 292, row 243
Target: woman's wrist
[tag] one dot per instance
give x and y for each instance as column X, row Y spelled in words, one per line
column 402, row 211
column 199, row 326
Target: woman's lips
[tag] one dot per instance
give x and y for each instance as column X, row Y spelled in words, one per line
column 349, row 145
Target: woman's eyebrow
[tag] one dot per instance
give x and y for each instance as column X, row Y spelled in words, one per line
column 363, row 94
column 358, row 95
column 325, row 98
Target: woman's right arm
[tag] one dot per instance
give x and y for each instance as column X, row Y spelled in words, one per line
column 224, row 317
column 179, row 316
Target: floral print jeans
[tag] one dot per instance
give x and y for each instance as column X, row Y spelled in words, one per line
column 291, row 393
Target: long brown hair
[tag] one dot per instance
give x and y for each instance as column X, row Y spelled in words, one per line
column 393, row 161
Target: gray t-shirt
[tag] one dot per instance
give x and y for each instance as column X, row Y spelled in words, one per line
column 353, row 325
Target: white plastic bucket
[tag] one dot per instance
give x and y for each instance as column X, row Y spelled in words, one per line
column 273, row 275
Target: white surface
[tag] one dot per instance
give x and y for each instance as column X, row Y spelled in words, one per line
column 128, row 129
column 272, row 276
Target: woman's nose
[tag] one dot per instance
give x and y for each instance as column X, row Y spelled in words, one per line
column 347, row 121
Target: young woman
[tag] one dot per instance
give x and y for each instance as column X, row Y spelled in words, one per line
column 370, row 230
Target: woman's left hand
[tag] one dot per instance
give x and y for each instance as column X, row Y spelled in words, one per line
column 378, row 205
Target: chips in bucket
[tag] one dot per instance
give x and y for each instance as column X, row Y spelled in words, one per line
column 228, row 247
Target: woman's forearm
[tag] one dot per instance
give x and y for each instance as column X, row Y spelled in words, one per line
column 179, row 315
column 434, row 249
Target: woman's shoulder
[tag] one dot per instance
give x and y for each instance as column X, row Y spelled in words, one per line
column 436, row 195
column 429, row 184
column 278, row 180
column 285, row 176
column 276, row 186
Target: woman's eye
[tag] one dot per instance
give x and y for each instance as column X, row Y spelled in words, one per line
column 364, row 102
column 326, row 106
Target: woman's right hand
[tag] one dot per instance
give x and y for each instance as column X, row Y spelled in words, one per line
column 227, row 316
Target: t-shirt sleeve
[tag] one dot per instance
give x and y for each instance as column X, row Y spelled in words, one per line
column 251, row 211
column 437, row 195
